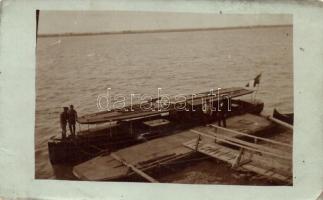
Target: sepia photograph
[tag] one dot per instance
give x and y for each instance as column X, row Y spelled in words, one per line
column 164, row 97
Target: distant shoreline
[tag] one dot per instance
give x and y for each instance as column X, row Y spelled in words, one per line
column 156, row 31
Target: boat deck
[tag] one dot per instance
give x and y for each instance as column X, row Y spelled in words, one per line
column 135, row 111
column 105, row 167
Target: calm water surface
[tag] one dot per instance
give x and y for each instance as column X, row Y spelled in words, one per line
column 75, row 70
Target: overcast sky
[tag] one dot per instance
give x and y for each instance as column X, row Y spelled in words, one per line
column 111, row 21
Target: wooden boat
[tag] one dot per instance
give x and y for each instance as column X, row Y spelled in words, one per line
column 268, row 157
column 119, row 128
column 135, row 111
column 286, row 117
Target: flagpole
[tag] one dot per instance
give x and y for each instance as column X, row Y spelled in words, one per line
column 254, row 97
column 255, row 82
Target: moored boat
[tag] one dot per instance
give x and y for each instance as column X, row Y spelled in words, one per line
column 285, row 117
column 119, row 128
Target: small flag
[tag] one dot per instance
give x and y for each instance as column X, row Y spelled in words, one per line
column 255, row 81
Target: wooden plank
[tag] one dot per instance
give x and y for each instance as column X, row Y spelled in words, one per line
column 161, row 161
column 227, row 155
column 264, row 172
column 237, row 159
column 165, row 161
column 156, row 159
column 223, row 153
column 253, row 145
column 133, row 168
column 251, row 136
column 243, row 144
column 286, row 125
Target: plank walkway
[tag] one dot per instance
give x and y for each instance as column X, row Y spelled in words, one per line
column 214, row 150
column 263, row 160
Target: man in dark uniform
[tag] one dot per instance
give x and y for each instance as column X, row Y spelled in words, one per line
column 207, row 112
column 72, row 116
column 224, row 107
column 63, row 120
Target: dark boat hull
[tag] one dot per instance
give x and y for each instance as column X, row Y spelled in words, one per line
column 87, row 146
column 287, row 117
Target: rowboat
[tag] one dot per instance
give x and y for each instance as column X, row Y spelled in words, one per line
column 285, row 117
column 119, row 128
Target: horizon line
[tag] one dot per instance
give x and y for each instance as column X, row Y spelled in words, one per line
column 67, row 34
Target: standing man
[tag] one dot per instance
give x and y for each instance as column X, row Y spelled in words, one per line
column 72, row 116
column 222, row 111
column 207, row 112
column 63, row 120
